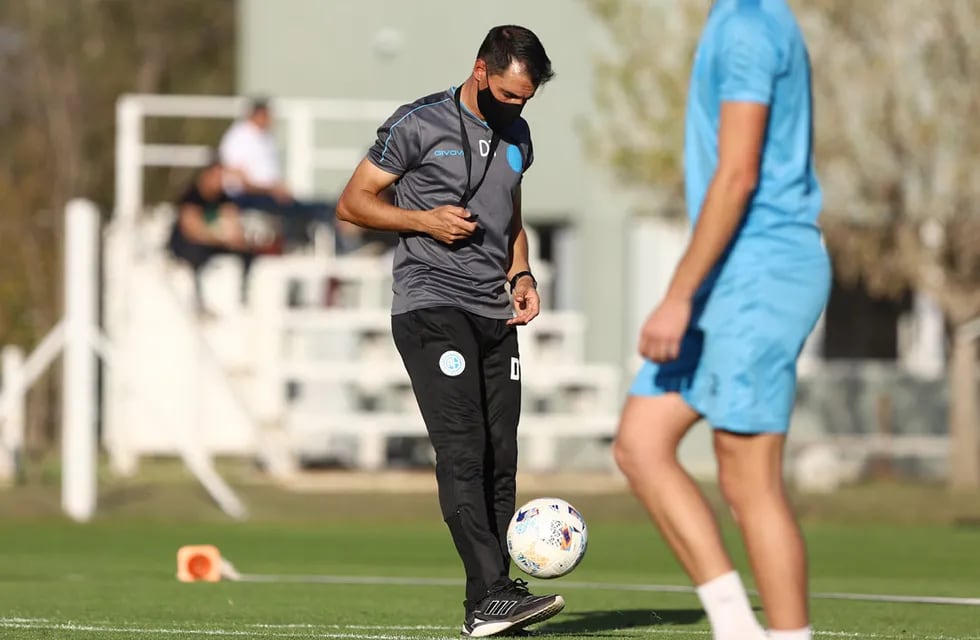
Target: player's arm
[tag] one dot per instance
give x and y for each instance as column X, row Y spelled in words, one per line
column 748, row 62
column 518, row 240
column 366, row 203
column 527, row 303
column 740, row 138
column 230, row 227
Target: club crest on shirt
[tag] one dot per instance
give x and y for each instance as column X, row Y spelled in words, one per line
column 452, row 363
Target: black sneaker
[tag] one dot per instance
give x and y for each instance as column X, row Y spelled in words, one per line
column 507, row 610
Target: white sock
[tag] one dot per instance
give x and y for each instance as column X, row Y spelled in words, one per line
column 797, row 634
column 729, row 612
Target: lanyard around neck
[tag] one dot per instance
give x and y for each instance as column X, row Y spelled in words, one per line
column 468, row 154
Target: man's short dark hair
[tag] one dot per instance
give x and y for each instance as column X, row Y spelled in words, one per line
column 213, row 160
column 258, row 103
column 507, row 44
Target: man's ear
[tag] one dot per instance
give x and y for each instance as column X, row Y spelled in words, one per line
column 480, row 70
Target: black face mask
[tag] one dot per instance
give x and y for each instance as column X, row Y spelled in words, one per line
column 499, row 115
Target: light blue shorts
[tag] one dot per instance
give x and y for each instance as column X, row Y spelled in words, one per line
column 737, row 365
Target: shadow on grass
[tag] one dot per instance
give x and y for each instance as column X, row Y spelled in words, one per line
column 595, row 622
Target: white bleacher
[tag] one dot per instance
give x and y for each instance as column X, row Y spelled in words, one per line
column 308, row 371
column 347, row 381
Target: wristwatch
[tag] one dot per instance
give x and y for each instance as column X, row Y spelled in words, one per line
column 521, row 274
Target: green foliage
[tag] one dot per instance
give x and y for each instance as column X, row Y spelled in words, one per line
column 640, row 87
column 895, row 95
column 63, row 63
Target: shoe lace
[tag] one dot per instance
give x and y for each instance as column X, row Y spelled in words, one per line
column 516, row 588
column 519, row 587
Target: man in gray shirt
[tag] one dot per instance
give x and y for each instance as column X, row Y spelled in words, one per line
column 455, row 160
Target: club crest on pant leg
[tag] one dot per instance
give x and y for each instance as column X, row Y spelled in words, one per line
column 452, row 363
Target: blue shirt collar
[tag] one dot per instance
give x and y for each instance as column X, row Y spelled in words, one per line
column 452, row 91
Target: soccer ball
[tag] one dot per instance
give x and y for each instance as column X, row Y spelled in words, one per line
column 547, row 538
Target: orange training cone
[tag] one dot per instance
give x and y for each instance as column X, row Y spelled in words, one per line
column 199, row 563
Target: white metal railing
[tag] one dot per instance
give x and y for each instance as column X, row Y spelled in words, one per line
column 270, row 320
column 346, row 352
column 78, row 337
column 303, row 156
column 276, row 343
column 321, row 323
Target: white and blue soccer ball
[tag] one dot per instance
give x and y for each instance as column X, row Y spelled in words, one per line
column 547, row 538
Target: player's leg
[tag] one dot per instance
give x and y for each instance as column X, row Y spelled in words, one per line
column 748, row 405
column 754, row 358
column 650, row 430
column 645, row 449
column 248, row 259
column 441, row 353
column 196, row 256
column 751, row 476
column 665, row 401
column 502, row 391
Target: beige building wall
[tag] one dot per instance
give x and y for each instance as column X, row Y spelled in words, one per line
column 400, row 50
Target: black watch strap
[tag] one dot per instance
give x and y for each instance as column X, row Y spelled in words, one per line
column 521, row 274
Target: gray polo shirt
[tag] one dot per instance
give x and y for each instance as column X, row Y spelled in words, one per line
column 421, row 143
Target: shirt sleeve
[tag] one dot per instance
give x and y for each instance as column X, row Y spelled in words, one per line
column 230, row 148
column 191, row 196
column 398, row 147
column 526, row 148
column 750, row 59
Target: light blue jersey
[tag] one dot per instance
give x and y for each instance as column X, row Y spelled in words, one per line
column 751, row 316
column 753, row 51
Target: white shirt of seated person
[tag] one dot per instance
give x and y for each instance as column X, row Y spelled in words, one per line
column 251, row 150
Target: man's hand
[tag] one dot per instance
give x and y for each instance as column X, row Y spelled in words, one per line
column 660, row 338
column 230, row 232
column 281, row 193
column 237, row 242
column 527, row 303
column 449, row 224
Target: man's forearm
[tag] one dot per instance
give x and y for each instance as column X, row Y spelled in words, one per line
column 371, row 211
column 518, row 254
column 247, row 185
column 201, row 234
column 722, row 211
column 254, row 189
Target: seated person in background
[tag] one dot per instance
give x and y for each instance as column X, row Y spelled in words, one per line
column 209, row 224
column 248, row 152
column 254, row 177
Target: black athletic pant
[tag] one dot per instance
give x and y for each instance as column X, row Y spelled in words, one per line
column 197, row 255
column 466, row 376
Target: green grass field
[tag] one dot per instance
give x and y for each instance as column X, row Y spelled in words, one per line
column 115, row 577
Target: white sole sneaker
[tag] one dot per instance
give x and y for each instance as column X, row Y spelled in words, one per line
column 484, row 629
